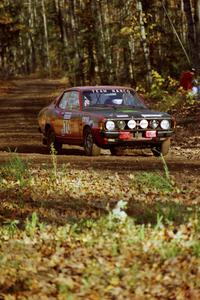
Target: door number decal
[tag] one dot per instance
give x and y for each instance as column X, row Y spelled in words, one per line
column 66, row 127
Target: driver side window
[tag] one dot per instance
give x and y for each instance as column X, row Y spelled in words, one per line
column 63, row 101
column 73, row 100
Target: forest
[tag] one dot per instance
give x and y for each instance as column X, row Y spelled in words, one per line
column 99, row 42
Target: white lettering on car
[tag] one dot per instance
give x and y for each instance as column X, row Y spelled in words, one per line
column 66, row 127
column 103, row 91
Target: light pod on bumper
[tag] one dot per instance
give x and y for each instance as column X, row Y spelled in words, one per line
column 110, row 125
column 154, row 124
column 164, row 124
column 121, row 124
column 143, row 124
column 131, row 124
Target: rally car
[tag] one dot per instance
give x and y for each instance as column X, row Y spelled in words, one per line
column 104, row 117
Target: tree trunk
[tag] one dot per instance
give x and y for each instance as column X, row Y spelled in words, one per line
column 101, row 46
column 78, row 78
column 144, row 43
column 46, row 37
column 60, row 5
column 191, row 28
column 31, row 44
column 197, row 31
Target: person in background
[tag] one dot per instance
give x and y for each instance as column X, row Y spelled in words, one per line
column 187, row 78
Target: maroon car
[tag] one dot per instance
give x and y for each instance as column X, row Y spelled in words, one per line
column 108, row 117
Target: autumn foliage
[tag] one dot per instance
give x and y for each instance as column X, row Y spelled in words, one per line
column 71, row 234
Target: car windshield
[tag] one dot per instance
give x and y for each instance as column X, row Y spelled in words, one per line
column 112, row 97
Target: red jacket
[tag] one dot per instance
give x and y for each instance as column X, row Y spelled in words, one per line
column 186, row 80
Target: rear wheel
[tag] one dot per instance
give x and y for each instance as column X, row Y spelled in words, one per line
column 91, row 149
column 162, row 148
column 52, row 142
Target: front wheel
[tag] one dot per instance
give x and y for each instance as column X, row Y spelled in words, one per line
column 91, row 149
column 162, row 149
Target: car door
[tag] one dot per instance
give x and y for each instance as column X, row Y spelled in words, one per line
column 59, row 125
column 72, row 117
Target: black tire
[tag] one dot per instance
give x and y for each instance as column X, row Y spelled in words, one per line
column 116, row 151
column 51, row 141
column 162, row 148
column 91, row 149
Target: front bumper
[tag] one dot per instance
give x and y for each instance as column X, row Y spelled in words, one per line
column 129, row 139
column 136, row 135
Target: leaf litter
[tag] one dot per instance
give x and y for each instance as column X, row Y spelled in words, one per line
column 98, row 235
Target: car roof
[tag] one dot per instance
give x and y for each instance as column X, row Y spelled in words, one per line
column 98, row 87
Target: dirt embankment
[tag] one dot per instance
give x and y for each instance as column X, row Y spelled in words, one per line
column 21, row 100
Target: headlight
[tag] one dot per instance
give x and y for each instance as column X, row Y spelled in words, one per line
column 121, row 124
column 164, row 124
column 143, row 124
column 110, row 125
column 154, row 124
column 131, row 124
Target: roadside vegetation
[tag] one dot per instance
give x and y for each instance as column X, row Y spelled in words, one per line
column 165, row 94
column 71, row 234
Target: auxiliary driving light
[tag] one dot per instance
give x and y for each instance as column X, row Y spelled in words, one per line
column 154, row 124
column 131, row 124
column 110, row 125
column 164, row 124
column 121, row 124
column 143, row 124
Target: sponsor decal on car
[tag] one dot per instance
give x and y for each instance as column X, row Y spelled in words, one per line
column 150, row 134
column 111, row 92
column 122, row 116
column 126, row 135
column 86, row 120
column 151, row 116
column 67, row 116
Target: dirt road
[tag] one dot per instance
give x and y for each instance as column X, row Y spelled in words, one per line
column 19, row 107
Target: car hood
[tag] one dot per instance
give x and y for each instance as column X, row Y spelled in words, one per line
column 122, row 112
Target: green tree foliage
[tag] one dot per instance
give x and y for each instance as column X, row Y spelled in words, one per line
column 91, row 41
